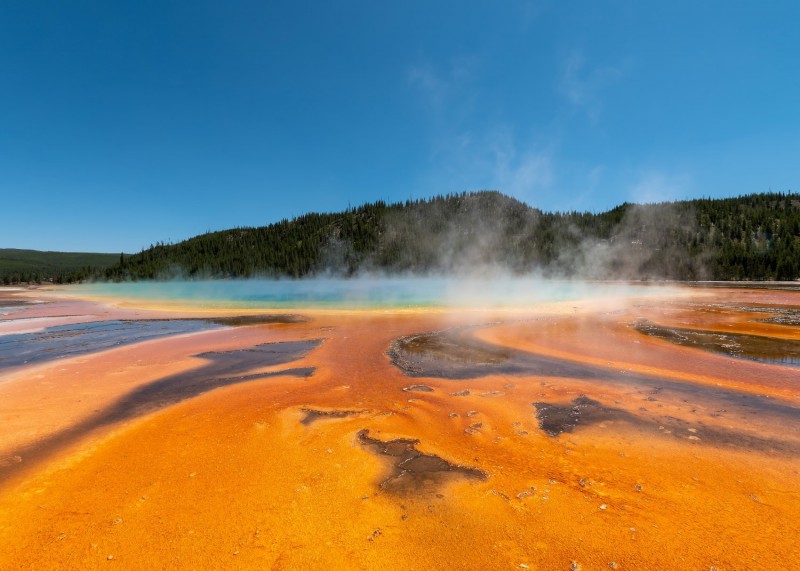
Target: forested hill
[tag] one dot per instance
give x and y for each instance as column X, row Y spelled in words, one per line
column 750, row 237
column 32, row 266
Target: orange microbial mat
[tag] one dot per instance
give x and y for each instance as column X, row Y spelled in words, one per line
column 652, row 432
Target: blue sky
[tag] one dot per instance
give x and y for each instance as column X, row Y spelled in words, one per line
column 128, row 122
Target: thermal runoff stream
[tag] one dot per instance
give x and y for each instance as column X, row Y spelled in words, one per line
column 381, row 423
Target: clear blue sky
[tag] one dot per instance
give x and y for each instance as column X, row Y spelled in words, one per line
column 123, row 123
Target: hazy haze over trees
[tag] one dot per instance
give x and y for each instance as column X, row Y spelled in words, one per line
column 750, row 237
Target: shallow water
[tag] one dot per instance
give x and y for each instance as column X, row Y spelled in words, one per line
column 365, row 292
column 64, row 341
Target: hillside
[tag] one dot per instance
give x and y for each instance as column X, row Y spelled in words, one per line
column 35, row 266
column 750, row 237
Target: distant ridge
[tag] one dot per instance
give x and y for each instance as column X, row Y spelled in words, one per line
column 753, row 237
column 31, row 266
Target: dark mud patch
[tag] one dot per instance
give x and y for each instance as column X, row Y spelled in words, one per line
column 311, row 415
column 413, row 472
column 220, row 369
column 64, row 341
column 7, row 301
column 246, row 320
column 446, row 354
column 773, row 286
column 758, row 348
column 554, row 419
column 781, row 315
column 721, row 437
column 440, row 364
column 787, row 317
column 456, row 354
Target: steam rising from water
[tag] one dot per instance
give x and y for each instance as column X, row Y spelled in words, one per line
column 368, row 292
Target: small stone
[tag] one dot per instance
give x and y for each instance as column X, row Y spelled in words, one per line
column 117, row 521
column 192, row 474
column 464, row 393
column 492, row 394
column 110, row 557
column 638, row 487
column 236, row 552
column 575, row 566
column 612, row 565
column 418, row 388
column 453, row 415
column 472, row 413
column 603, row 506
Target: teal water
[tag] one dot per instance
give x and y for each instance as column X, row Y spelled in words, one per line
column 366, row 293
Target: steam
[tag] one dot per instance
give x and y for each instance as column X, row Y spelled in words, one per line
column 647, row 244
column 638, row 243
column 450, row 253
column 367, row 292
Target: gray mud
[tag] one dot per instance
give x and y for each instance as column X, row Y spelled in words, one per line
column 556, row 419
column 413, row 472
column 311, row 415
column 763, row 349
column 456, row 355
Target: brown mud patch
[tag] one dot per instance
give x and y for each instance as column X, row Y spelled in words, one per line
column 311, row 415
column 771, row 350
column 554, row 419
column 456, row 355
column 447, row 354
column 583, row 412
column 7, row 303
column 413, row 472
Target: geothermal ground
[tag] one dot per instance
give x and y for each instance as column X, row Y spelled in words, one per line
column 652, row 432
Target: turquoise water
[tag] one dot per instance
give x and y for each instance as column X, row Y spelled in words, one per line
column 365, row 293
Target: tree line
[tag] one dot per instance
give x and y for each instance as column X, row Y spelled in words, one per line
column 753, row 237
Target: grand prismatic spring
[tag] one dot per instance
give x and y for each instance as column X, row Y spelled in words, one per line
column 400, row 424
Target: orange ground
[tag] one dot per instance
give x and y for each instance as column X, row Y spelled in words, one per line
column 232, row 480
